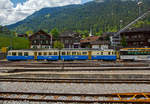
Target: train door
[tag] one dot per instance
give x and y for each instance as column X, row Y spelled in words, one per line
column 35, row 55
column 118, row 55
column 90, row 55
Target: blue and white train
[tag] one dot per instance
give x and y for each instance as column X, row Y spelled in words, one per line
column 64, row 54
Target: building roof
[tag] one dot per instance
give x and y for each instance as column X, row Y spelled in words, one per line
column 143, row 29
column 68, row 34
column 90, row 39
column 98, row 42
column 40, row 32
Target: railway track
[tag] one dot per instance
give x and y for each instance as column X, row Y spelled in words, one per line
column 133, row 98
column 72, row 64
column 77, row 80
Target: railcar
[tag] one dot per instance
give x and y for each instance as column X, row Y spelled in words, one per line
column 64, row 54
column 135, row 54
column 50, row 55
column 104, row 55
column 16, row 55
column 74, row 55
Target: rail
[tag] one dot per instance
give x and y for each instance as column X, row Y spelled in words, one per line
column 76, row 80
column 131, row 98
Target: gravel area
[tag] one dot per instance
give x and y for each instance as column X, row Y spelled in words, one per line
column 25, row 102
column 73, row 87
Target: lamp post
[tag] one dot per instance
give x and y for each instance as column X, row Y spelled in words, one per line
column 140, row 3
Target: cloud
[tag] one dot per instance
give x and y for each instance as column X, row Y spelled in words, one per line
column 10, row 14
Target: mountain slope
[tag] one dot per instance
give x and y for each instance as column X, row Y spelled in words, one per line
column 103, row 16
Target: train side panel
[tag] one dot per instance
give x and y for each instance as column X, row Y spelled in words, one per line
column 48, row 55
column 73, row 55
column 104, row 55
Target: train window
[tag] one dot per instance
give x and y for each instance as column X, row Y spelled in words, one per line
column 78, row 53
column 14, row 54
column 20, row 54
column 63, row 53
column 84, row 53
column 108, row 53
column 9, row 53
column 68, row 53
column 55, row 53
column 40, row 53
column 45, row 53
column 50, row 53
column 101, row 53
column 26, row 54
column 73, row 53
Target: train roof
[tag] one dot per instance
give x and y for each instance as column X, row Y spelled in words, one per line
column 65, row 49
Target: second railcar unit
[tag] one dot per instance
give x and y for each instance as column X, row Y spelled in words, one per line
column 74, row 55
column 49, row 55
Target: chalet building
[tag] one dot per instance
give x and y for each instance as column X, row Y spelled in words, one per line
column 137, row 37
column 70, row 39
column 41, row 39
column 96, row 42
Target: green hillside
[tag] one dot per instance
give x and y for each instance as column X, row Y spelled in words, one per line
column 102, row 17
column 8, row 39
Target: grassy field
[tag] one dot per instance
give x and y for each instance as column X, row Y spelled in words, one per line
column 15, row 42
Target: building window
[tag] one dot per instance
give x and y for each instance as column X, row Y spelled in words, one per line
column 47, row 42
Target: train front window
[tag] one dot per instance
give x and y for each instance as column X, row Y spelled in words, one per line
column 14, row 53
column 45, row 53
column 20, row 54
column 55, row 53
column 40, row 54
column 78, row 53
column 73, row 53
column 9, row 53
column 26, row 54
column 50, row 53
column 84, row 53
column 68, row 53
column 63, row 53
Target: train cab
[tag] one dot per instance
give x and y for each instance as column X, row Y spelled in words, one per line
column 18, row 55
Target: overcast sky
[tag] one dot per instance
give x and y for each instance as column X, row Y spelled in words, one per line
column 12, row 11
